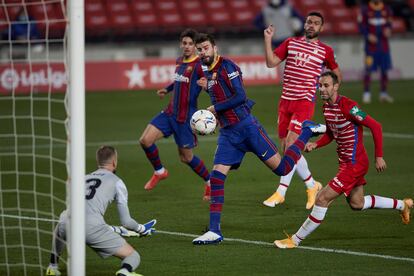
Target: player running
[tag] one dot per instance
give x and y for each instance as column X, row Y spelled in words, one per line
column 103, row 187
column 175, row 119
column 305, row 59
column 345, row 121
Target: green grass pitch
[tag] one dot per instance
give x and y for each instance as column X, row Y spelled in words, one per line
column 120, row 118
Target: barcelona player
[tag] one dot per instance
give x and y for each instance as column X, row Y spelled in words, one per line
column 375, row 26
column 345, row 121
column 305, row 57
column 240, row 131
column 175, row 119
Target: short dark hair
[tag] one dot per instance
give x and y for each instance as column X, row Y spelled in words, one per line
column 202, row 37
column 332, row 75
column 191, row 33
column 318, row 14
column 104, row 155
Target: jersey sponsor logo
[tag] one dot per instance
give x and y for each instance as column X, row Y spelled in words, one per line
column 181, row 78
column 358, row 113
column 233, row 75
column 211, row 83
column 301, row 59
column 377, row 21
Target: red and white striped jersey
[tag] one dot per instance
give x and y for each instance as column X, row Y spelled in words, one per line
column 305, row 62
column 343, row 127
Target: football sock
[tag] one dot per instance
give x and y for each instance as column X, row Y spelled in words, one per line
column 152, row 154
column 311, row 223
column 282, row 189
column 286, row 179
column 197, row 165
column 217, row 180
column 379, row 202
column 293, row 153
column 131, row 262
column 367, row 81
column 58, row 245
column 384, row 81
column 303, row 171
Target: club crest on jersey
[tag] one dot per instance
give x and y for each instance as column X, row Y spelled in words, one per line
column 358, row 113
column 301, row 59
column 189, row 69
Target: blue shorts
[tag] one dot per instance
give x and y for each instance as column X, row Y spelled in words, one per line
column 183, row 135
column 246, row 136
column 373, row 61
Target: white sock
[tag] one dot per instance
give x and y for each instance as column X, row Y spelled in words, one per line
column 160, row 171
column 311, row 223
column 379, row 202
column 285, row 181
column 303, row 171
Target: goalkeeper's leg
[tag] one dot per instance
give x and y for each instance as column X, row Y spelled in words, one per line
column 58, row 245
column 130, row 260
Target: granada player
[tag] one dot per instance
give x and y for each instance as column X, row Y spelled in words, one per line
column 305, row 59
column 345, row 122
column 175, row 119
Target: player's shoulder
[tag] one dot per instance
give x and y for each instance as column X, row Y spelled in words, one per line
column 324, row 45
column 347, row 103
column 103, row 175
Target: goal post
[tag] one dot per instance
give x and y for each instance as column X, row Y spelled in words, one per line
column 42, row 133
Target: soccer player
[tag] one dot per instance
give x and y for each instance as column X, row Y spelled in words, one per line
column 175, row 119
column 375, row 25
column 103, row 187
column 345, row 121
column 240, row 131
column 305, row 58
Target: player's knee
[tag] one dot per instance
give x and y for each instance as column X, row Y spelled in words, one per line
column 185, row 159
column 356, row 206
column 145, row 142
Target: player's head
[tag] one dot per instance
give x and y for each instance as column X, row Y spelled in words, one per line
column 107, row 158
column 313, row 25
column 328, row 85
column 187, row 42
column 206, row 47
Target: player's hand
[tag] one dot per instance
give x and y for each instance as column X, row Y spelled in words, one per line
column 162, row 92
column 147, row 229
column 202, row 82
column 310, row 146
column 123, row 231
column 212, row 110
column 372, row 38
column 380, row 164
column 387, row 32
column 269, row 32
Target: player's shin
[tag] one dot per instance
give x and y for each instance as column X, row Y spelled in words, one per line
column 311, row 223
column 217, row 180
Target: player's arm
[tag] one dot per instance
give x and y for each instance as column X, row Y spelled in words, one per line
column 272, row 60
column 360, row 117
column 164, row 91
column 126, row 220
column 236, row 85
column 325, row 139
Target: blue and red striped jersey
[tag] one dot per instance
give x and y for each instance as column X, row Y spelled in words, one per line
column 183, row 101
column 227, row 93
column 374, row 19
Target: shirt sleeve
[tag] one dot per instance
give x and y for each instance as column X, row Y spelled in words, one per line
column 122, row 205
column 330, row 59
column 282, row 50
column 358, row 116
column 325, row 139
column 233, row 78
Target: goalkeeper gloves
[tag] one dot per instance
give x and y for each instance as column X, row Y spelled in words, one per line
column 144, row 230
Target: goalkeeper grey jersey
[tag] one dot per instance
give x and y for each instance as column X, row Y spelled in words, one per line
column 103, row 187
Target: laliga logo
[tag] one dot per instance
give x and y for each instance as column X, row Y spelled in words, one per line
column 11, row 78
column 301, row 59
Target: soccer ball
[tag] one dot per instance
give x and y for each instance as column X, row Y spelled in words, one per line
column 203, row 122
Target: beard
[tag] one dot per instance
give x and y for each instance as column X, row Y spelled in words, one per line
column 311, row 34
column 208, row 60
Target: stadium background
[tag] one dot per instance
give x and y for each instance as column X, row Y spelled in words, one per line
column 123, row 35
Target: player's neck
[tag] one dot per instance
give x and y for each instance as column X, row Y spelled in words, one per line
column 333, row 99
column 216, row 59
column 313, row 39
column 189, row 58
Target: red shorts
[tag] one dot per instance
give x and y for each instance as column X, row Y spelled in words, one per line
column 349, row 175
column 292, row 114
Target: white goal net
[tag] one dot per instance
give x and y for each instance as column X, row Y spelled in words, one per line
column 33, row 134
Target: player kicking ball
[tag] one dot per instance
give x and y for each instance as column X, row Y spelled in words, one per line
column 345, row 122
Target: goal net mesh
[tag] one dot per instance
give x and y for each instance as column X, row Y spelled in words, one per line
column 33, row 134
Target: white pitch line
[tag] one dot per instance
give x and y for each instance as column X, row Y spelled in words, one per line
column 320, row 249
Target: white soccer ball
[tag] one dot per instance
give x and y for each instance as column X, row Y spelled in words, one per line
column 203, row 122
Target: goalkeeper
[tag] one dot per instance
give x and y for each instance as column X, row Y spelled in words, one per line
column 102, row 187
